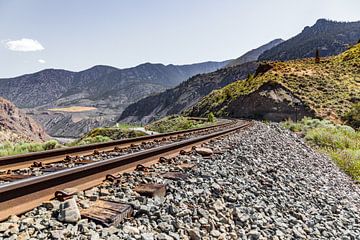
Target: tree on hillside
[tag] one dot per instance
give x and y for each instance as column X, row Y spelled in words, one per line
column 317, row 56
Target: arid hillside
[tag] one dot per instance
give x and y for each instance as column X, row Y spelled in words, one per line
column 292, row 89
column 16, row 126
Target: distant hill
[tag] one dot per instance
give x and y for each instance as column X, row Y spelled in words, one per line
column 330, row 37
column 16, row 126
column 61, row 87
column 254, row 54
column 293, row 89
column 107, row 89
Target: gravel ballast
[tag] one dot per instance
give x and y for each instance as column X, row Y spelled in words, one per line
column 260, row 183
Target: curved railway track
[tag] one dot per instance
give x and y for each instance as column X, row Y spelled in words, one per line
column 56, row 155
column 25, row 194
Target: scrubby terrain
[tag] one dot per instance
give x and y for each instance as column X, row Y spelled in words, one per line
column 107, row 134
column 340, row 142
column 176, row 123
column 292, row 89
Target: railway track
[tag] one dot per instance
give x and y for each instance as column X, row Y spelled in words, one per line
column 57, row 155
column 22, row 195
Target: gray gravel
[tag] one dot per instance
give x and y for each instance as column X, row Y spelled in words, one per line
column 267, row 184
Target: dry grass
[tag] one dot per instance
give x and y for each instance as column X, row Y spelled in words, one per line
column 73, row 109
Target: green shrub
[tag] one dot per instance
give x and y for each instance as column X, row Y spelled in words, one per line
column 353, row 116
column 174, row 123
column 8, row 148
column 334, row 138
column 52, row 144
column 349, row 161
column 211, row 117
column 96, row 139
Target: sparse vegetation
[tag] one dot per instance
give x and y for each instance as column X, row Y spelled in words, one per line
column 89, row 140
column 340, row 142
column 8, row 148
column 107, row 134
column 176, row 123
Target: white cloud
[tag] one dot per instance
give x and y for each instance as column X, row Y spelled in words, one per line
column 42, row 61
column 24, row 45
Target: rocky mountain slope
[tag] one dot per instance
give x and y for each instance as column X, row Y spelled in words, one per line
column 292, row 89
column 98, row 84
column 175, row 100
column 329, row 37
column 16, row 126
column 106, row 89
column 254, row 54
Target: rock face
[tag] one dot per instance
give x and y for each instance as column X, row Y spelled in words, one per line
column 185, row 95
column 254, row 54
column 105, row 88
column 16, row 126
column 271, row 102
column 329, row 37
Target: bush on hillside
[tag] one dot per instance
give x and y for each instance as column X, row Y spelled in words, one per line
column 174, row 123
column 95, row 139
column 211, row 117
column 353, row 116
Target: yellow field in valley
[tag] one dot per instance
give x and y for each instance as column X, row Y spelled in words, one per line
column 72, row 109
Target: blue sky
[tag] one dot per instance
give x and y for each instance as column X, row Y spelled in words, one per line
column 77, row 34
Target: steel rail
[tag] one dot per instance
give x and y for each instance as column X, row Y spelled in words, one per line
column 23, row 195
column 55, row 155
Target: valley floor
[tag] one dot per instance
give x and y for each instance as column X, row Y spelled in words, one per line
column 266, row 184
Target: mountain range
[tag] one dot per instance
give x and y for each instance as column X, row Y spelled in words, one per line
column 54, row 87
column 106, row 89
column 329, row 37
column 336, row 36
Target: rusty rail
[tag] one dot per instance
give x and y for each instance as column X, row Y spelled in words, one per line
column 50, row 156
column 23, row 195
